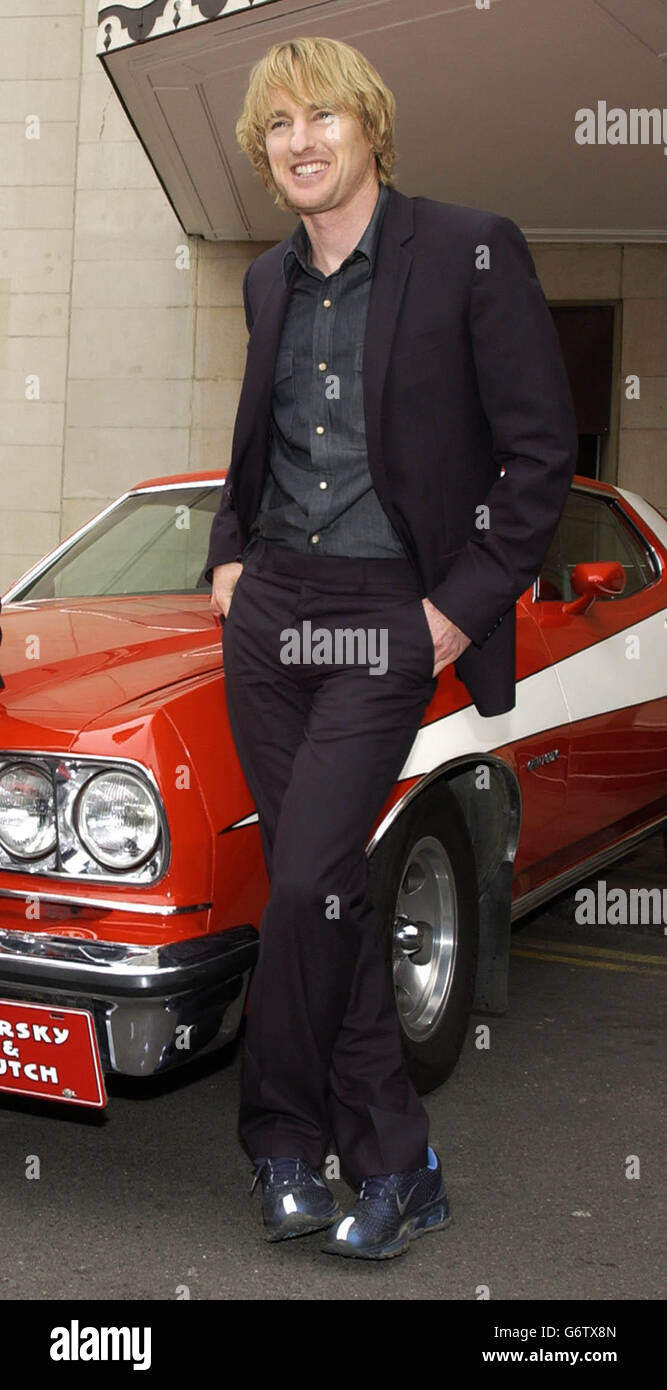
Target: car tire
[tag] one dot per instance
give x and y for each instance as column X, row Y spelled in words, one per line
column 423, row 870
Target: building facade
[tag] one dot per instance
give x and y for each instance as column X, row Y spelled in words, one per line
column 122, row 337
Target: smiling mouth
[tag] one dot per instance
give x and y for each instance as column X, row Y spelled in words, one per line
column 309, row 171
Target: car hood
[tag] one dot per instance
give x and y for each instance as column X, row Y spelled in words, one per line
column 65, row 662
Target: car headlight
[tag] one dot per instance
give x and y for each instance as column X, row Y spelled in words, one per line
column 27, row 811
column 116, row 819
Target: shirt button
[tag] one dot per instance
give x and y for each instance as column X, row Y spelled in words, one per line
column 314, row 539
column 323, row 366
column 319, row 429
column 326, row 303
column 323, row 484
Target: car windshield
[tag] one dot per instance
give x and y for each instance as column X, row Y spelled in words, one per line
column 150, row 543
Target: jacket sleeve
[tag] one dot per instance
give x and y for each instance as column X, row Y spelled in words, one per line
column 527, row 401
column 224, row 544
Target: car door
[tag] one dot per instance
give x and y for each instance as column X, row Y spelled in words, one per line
column 609, row 661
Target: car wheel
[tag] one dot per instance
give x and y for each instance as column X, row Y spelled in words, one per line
column 424, row 885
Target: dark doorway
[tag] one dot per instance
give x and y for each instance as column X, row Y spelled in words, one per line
column 586, row 335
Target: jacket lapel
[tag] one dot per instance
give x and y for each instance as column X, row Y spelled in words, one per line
column 392, row 268
column 251, row 428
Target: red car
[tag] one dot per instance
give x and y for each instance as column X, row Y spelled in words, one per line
column 132, row 881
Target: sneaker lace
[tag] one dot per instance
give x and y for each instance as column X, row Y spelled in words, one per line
column 375, row 1186
column 281, row 1170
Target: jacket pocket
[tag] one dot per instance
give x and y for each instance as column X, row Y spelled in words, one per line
column 427, row 340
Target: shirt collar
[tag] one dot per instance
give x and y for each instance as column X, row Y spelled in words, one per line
column 299, row 243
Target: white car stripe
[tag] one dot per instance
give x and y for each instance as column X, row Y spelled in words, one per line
column 591, row 682
column 602, row 677
column 628, row 668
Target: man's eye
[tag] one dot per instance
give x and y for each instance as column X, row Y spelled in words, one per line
column 328, row 115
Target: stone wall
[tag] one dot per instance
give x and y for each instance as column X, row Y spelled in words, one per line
column 122, row 341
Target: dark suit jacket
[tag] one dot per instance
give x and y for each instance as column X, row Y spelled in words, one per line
column 463, row 378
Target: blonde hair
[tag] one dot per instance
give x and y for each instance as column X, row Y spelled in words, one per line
column 324, row 70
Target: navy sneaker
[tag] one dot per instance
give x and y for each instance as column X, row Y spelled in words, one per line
column 391, row 1210
column 296, row 1199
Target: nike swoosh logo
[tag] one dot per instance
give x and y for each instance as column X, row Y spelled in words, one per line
column 402, row 1205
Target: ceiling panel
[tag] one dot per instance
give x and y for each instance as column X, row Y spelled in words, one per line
column 486, row 108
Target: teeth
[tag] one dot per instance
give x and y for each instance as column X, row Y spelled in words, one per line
column 308, row 168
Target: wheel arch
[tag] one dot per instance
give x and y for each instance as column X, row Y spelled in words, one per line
column 491, row 807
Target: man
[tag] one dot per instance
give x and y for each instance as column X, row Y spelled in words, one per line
column 403, row 448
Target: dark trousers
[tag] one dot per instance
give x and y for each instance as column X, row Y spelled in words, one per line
column 321, row 746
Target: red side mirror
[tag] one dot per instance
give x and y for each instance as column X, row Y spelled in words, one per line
column 591, row 580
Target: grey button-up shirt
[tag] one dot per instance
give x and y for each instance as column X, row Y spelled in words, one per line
column 318, row 496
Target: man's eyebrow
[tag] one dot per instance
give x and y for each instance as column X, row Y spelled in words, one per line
column 311, row 106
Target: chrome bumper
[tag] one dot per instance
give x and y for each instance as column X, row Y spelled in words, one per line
column 154, row 1007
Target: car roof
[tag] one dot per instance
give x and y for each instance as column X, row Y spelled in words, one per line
column 218, row 475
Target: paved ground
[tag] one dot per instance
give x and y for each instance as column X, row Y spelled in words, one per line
column 535, row 1134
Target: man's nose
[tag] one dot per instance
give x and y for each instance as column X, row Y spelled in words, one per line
column 301, row 137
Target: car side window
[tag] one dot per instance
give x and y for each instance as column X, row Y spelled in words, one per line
column 593, row 529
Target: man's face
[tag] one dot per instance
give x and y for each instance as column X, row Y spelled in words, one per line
column 319, row 156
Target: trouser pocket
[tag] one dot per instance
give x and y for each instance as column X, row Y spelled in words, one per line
column 418, row 622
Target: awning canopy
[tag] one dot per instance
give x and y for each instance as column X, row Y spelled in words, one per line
column 489, row 104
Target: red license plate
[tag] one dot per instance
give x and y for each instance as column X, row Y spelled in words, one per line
column 50, row 1053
